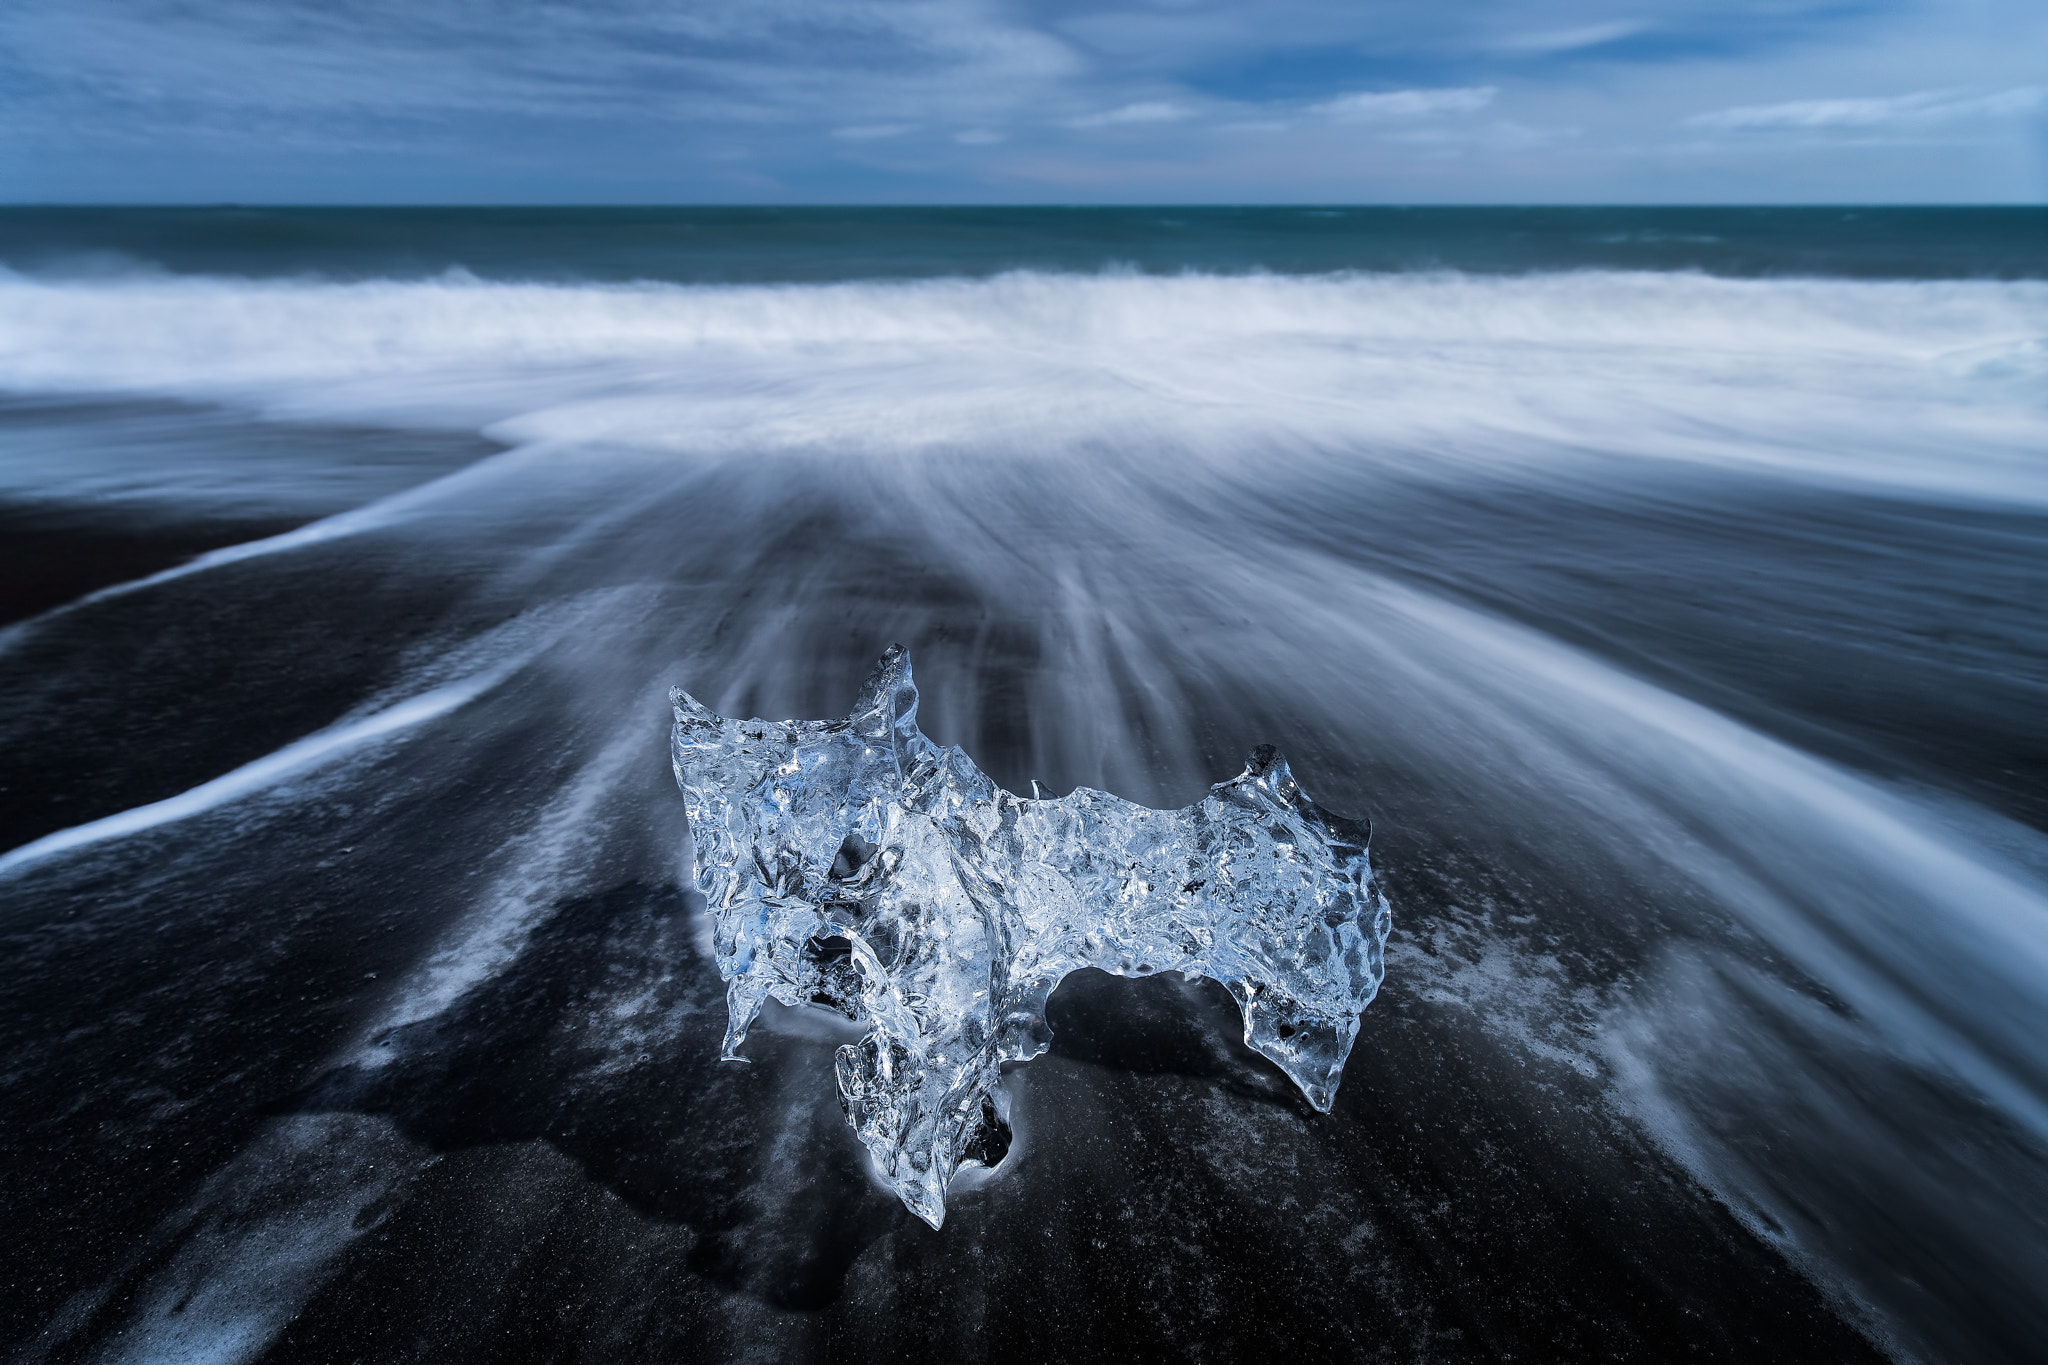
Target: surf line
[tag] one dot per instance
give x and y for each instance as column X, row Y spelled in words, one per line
column 315, row 749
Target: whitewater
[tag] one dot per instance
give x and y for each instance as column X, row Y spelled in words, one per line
column 1679, row 634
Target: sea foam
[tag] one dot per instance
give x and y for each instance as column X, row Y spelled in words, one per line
column 1815, row 379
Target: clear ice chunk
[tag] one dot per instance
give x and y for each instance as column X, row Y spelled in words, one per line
column 856, row 865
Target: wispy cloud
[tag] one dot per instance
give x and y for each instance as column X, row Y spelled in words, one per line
column 1145, row 111
column 1372, row 105
column 384, row 99
column 873, row 132
column 384, row 61
column 1922, row 109
column 1577, row 39
column 1498, row 134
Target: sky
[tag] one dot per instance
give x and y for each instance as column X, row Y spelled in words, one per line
column 1024, row 101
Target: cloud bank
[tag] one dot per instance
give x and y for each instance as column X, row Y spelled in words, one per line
column 1923, row 109
column 924, row 100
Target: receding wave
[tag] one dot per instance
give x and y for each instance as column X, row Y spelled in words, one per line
column 1830, row 379
column 1676, row 630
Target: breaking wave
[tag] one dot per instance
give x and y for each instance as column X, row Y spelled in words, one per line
column 1813, row 378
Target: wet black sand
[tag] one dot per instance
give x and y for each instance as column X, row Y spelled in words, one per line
column 52, row 556
column 243, row 1116
column 552, row 1199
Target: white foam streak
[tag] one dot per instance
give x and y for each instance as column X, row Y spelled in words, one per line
column 1811, row 378
column 305, row 755
column 1936, row 940
column 556, row 855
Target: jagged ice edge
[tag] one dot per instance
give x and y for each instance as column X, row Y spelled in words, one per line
column 855, row 864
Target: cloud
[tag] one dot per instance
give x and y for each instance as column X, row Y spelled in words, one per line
column 164, row 62
column 1147, row 111
column 1922, row 109
column 1372, row 105
column 603, row 100
column 1500, row 135
column 1573, row 39
column 873, row 132
column 1272, row 49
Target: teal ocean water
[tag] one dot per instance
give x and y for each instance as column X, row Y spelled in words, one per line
column 743, row 245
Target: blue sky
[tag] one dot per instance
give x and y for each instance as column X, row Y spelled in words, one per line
column 1064, row 101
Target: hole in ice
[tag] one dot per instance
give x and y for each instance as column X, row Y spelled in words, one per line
column 853, row 855
column 824, row 952
column 991, row 1140
column 837, row 985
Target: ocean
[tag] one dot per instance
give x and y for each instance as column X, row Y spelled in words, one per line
column 1664, row 585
